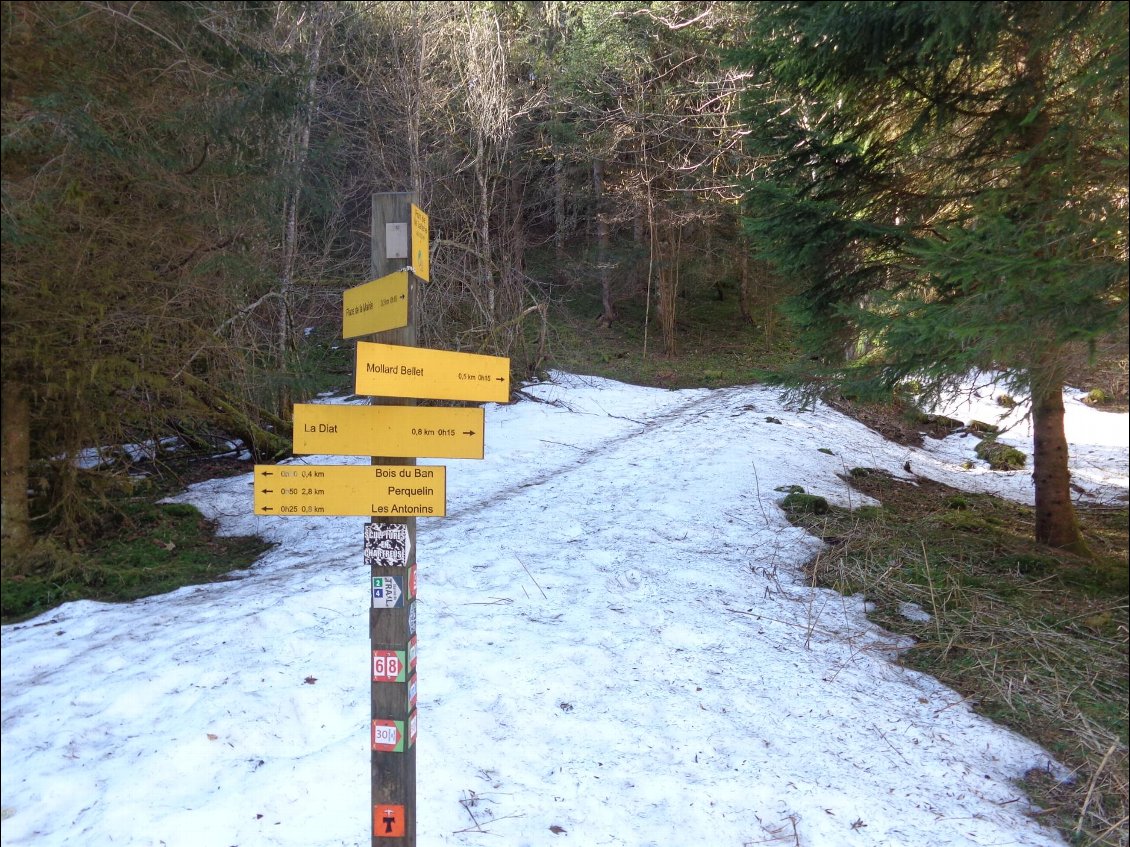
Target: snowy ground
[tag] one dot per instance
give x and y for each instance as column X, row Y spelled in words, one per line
column 615, row 649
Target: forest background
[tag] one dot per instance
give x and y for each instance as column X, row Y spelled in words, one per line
column 671, row 193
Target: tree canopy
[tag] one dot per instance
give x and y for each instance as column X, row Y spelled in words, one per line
column 944, row 185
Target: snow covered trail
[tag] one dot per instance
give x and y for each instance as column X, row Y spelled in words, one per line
column 615, row 649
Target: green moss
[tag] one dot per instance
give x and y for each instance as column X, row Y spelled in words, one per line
column 806, row 503
column 144, row 548
column 982, row 428
column 1000, row 457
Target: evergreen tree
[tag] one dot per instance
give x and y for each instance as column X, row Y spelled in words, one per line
column 945, row 184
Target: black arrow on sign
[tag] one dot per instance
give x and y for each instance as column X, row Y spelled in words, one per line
column 468, row 432
column 266, row 491
column 266, row 473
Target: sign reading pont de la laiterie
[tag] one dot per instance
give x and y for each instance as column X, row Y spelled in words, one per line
column 376, row 306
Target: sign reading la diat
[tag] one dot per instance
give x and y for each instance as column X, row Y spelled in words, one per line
column 401, row 491
column 375, row 306
column 398, row 431
column 388, row 370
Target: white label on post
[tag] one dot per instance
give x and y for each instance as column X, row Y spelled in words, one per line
column 396, row 241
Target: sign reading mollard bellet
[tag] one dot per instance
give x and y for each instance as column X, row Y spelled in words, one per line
column 389, row 370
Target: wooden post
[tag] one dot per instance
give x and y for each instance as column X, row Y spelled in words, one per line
column 390, row 547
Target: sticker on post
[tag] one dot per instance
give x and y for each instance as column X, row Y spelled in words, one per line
column 411, row 729
column 412, row 693
column 388, row 592
column 411, row 619
column 412, row 654
column 387, row 545
column 389, row 666
column 388, row 736
column 388, row 821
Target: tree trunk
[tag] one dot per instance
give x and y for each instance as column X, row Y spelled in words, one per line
column 559, row 223
column 229, row 414
column 1056, row 522
column 300, row 152
column 608, row 314
column 743, row 285
column 669, row 290
column 485, row 249
column 15, row 530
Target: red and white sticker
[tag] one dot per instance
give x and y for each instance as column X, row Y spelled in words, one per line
column 388, row 666
column 388, row 737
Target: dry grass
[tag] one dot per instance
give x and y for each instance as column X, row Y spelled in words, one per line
column 1033, row 638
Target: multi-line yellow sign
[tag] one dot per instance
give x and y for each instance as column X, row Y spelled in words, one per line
column 401, row 431
column 419, row 258
column 375, row 306
column 395, row 491
column 387, row 370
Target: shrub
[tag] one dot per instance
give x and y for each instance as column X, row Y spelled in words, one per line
column 1097, row 397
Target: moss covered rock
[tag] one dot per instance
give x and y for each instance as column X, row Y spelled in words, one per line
column 805, row 503
column 1000, row 457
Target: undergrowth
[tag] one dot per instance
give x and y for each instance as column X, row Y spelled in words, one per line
column 140, row 548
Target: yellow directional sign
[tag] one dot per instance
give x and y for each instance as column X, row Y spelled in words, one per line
column 386, row 370
column 375, row 306
column 440, row 433
column 394, row 491
column 419, row 258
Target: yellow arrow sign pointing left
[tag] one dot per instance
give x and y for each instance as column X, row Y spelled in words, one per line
column 308, row 491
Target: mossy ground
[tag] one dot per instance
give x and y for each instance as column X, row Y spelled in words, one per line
column 1031, row 637
column 138, row 548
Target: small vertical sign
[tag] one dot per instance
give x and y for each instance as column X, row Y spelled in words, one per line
column 419, row 259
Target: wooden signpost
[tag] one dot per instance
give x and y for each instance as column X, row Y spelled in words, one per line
column 392, row 490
